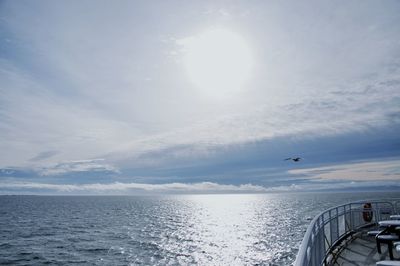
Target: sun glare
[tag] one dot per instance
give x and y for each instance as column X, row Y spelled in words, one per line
column 218, row 62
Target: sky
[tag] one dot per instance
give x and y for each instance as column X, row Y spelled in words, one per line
column 131, row 97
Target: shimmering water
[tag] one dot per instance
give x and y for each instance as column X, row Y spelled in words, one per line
column 261, row 229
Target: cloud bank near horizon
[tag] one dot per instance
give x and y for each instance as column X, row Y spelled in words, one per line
column 118, row 188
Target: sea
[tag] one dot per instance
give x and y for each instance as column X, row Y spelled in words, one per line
column 215, row 229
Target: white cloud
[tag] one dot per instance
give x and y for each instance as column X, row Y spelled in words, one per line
column 202, row 187
column 118, row 187
column 357, row 171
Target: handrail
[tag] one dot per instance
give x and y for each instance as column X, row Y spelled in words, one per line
column 397, row 206
column 331, row 226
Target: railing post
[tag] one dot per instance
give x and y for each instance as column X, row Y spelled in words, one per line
column 351, row 217
column 337, row 223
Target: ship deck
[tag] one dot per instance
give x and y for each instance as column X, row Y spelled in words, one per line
column 361, row 250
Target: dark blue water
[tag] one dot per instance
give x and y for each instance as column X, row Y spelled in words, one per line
column 262, row 229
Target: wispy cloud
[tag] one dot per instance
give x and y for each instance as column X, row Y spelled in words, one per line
column 357, row 171
column 74, row 169
column 329, row 185
column 93, row 166
column 43, row 155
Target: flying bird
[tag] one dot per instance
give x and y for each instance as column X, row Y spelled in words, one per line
column 293, row 159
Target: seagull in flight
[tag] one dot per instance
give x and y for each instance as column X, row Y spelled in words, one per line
column 293, row 159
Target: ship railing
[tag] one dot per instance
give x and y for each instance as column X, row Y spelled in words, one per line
column 327, row 230
column 397, row 206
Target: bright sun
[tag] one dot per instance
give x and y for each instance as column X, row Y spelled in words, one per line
column 218, row 62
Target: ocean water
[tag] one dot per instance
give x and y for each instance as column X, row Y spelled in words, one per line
column 251, row 229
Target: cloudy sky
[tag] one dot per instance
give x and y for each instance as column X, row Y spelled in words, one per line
column 198, row 96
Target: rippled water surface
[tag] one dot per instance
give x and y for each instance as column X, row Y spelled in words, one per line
column 257, row 229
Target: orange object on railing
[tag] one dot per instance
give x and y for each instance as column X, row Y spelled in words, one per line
column 367, row 213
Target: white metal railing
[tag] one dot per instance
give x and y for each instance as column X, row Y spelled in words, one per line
column 327, row 229
column 397, row 206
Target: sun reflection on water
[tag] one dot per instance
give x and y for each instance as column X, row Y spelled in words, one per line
column 222, row 229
